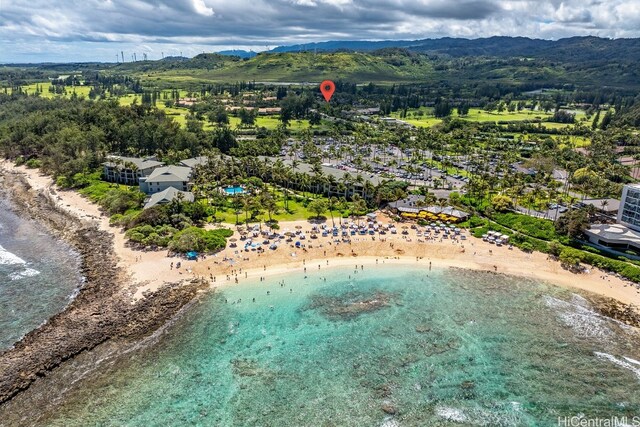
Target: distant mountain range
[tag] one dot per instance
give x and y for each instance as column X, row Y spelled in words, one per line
column 586, row 48
column 476, row 64
column 239, row 53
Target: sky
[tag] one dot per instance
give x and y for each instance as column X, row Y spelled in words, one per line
column 98, row 30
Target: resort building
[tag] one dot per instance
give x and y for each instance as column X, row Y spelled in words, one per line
column 167, row 196
column 129, row 170
column 194, row 161
column 624, row 236
column 615, row 237
column 413, row 207
column 164, row 177
column 629, row 212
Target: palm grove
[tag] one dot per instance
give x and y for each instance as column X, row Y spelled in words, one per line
column 70, row 138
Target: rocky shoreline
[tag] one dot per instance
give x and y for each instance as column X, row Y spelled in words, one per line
column 103, row 310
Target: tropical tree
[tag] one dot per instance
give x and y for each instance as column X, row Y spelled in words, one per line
column 332, row 202
column 501, row 203
column 318, row 206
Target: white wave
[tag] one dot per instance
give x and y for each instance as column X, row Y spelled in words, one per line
column 451, row 414
column 500, row 415
column 634, row 361
column 8, row 258
column 390, row 423
column 580, row 300
column 28, row 272
column 633, row 366
column 585, row 322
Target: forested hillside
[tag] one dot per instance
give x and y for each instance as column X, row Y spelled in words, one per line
column 533, row 64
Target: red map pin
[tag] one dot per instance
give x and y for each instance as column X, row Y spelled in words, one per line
column 327, row 88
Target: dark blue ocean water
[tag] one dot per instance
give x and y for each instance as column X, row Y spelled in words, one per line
column 38, row 275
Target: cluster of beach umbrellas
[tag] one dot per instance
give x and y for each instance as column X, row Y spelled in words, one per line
column 495, row 237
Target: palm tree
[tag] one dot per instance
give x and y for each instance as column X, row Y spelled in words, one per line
column 332, row 201
column 269, row 204
column 237, row 205
column 304, row 181
column 358, row 207
column 603, row 204
column 247, row 202
column 368, row 189
column 348, row 182
column 215, row 199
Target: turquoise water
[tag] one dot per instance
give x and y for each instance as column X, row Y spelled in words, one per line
column 234, row 190
column 387, row 346
column 38, row 276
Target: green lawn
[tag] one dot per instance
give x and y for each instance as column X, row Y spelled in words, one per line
column 298, row 212
column 97, row 189
column 179, row 114
column 44, row 86
column 576, row 141
column 475, row 115
column 478, row 115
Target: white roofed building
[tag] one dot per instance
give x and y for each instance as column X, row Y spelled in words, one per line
column 128, row 170
column 164, row 177
column 167, row 196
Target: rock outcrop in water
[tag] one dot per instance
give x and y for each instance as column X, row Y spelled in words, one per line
column 102, row 309
column 350, row 305
column 624, row 313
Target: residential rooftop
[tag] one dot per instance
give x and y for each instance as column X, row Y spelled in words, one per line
column 168, row 196
column 170, row 173
column 139, row 162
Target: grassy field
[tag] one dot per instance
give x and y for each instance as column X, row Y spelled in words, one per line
column 576, row 141
column 31, row 90
column 475, row 115
column 179, row 114
column 427, row 119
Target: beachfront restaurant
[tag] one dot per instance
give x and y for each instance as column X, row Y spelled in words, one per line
column 614, row 237
column 432, row 213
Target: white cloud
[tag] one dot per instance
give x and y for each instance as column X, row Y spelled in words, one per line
column 202, row 9
column 310, row 3
column 210, row 24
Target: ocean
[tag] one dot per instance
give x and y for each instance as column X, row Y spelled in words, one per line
column 384, row 346
column 39, row 276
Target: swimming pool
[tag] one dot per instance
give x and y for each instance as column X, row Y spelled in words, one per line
column 234, row 190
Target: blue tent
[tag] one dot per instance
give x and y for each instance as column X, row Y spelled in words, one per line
column 192, row 255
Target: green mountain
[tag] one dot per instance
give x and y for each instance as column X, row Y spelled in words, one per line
column 393, row 65
column 578, row 62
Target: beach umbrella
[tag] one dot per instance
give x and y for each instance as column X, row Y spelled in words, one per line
column 233, row 239
column 289, row 234
column 298, row 227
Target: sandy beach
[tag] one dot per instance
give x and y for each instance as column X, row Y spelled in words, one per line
column 149, row 270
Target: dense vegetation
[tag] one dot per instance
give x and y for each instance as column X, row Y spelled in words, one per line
column 478, row 122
